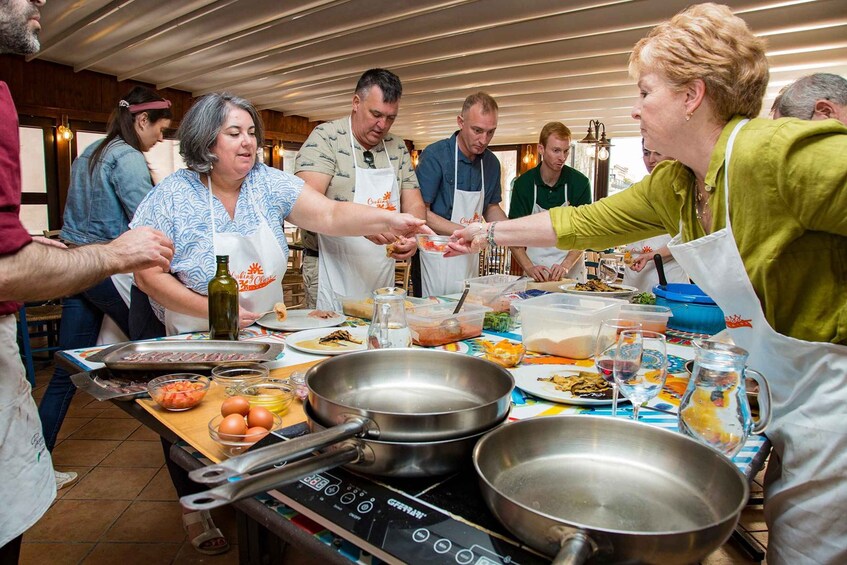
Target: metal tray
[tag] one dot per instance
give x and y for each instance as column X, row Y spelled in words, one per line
column 120, row 356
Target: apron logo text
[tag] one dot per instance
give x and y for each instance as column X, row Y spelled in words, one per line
column 384, row 202
column 736, row 321
column 253, row 279
column 466, row 222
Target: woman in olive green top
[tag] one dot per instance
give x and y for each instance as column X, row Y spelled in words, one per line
column 774, row 259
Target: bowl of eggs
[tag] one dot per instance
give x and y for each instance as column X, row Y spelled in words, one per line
column 179, row 391
column 240, row 425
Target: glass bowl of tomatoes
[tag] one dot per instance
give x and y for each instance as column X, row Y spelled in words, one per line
column 433, row 243
column 179, row 391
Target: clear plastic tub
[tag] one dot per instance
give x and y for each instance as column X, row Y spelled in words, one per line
column 437, row 325
column 652, row 318
column 362, row 306
column 564, row 324
column 493, row 290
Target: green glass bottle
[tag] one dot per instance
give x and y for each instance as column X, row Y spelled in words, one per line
column 223, row 302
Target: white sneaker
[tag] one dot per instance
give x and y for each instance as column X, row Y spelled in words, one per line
column 65, row 479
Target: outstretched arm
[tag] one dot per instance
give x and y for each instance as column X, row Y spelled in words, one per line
column 38, row 272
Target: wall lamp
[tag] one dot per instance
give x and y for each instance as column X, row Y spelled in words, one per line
column 597, row 135
column 64, row 131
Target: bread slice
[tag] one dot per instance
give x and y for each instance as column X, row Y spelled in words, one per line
column 281, row 312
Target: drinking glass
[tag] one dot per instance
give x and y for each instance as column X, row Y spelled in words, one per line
column 604, row 352
column 607, row 269
column 641, row 366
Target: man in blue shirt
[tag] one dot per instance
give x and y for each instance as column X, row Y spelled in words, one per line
column 460, row 184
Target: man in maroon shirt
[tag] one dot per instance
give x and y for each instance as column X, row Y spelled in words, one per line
column 34, row 269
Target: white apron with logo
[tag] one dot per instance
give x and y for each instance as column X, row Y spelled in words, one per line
column 28, row 486
column 549, row 256
column 355, row 266
column 440, row 275
column 256, row 261
column 806, row 480
column 648, row 277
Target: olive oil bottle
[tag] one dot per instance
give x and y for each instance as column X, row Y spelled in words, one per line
column 223, row 302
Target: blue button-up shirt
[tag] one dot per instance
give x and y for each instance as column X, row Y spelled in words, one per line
column 435, row 175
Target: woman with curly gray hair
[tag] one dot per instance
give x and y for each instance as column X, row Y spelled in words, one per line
column 229, row 203
column 759, row 210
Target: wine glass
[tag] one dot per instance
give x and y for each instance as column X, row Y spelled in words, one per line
column 604, row 351
column 641, row 366
column 607, row 269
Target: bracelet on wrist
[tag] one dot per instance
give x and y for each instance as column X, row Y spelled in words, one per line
column 491, row 234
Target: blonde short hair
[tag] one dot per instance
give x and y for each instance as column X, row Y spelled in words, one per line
column 484, row 99
column 708, row 42
column 553, row 128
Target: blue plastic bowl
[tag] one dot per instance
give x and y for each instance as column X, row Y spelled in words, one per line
column 693, row 310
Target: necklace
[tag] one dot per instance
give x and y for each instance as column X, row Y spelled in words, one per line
column 701, row 203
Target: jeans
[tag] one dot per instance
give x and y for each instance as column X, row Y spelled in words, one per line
column 82, row 315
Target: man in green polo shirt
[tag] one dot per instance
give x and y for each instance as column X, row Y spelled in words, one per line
column 549, row 185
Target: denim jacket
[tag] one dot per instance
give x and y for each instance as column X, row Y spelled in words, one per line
column 100, row 206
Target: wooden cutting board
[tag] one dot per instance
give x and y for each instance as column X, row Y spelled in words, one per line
column 193, row 425
column 549, row 286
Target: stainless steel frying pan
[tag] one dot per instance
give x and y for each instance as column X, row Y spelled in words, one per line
column 580, row 487
column 410, row 394
column 380, row 458
column 400, row 395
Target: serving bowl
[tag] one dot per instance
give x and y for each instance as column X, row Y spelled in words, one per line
column 178, row 391
column 435, row 244
column 236, row 375
column 274, row 394
column 234, row 444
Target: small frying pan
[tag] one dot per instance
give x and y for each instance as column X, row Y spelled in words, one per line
column 660, row 269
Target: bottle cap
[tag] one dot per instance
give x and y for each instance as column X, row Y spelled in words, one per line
column 222, row 258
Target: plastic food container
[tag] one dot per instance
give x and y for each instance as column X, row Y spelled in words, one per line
column 236, row 375
column 435, row 244
column 436, row 324
column 693, row 310
column 179, row 391
column 652, row 318
column 492, row 290
column 565, row 325
column 274, row 394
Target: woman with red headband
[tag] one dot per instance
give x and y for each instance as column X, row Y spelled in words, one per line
column 108, row 181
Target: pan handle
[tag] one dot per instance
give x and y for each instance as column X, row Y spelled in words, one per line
column 660, row 269
column 288, row 450
column 270, row 479
column 575, row 549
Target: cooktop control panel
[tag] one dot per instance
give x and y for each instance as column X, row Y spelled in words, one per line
column 402, row 525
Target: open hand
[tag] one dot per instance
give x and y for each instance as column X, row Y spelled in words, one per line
column 403, row 248
column 141, row 248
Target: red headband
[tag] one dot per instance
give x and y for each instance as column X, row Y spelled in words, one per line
column 155, row 105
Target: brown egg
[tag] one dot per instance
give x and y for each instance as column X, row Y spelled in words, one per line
column 235, row 405
column 260, row 416
column 255, row 434
column 232, row 428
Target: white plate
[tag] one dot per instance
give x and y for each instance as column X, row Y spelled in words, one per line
column 526, row 378
column 299, row 320
column 294, row 341
column 627, row 291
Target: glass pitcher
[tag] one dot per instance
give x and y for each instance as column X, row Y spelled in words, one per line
column 388, row 323
column 715, row 409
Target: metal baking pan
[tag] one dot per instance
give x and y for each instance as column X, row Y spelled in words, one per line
column 183, row 355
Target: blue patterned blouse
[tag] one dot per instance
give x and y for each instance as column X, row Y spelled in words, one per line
column 179, row 207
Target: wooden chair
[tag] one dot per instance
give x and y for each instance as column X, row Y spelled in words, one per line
column 495, row 261
column 402, row 269
column 38, row 320
column 592, row 261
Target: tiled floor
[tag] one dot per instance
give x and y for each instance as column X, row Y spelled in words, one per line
column 124, row 508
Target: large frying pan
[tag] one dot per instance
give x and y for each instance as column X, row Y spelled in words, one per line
column 410, row 394
column 400, row 395
column 380, row 458
column 581, row 487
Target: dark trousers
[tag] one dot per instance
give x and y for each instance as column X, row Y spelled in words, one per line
column 82, row 315
column 415, row 275
column 143, row 323
column 10, row 553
